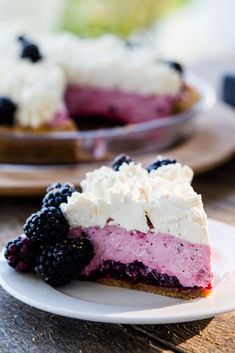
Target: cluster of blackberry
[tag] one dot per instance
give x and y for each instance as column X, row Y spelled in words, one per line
column 159, row 162
column 46, row 246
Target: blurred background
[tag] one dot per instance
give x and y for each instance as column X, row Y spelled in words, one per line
column 187, row 30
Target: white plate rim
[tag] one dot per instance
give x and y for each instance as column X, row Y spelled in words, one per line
column 56, row 302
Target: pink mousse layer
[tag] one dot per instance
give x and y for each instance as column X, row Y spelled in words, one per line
column 165, row 253
column 123, row 107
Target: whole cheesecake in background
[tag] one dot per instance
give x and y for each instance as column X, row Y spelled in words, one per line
column 148, row 228
column 55, row 81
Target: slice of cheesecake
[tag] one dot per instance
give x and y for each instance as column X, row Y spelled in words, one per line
column 147, row 226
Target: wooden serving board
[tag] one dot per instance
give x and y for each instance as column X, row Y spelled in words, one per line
column 212, row 144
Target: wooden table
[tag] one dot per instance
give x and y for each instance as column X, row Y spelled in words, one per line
column 27, row 330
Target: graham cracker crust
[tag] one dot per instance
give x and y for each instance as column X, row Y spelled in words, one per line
column 188, row 99
column 36, row 151
column 170, row 292
column 68, row 125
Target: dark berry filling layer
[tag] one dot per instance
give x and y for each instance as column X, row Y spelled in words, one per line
column 135, row 272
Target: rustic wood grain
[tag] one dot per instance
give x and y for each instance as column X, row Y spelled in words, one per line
column 212, row 335
column 212, row 144
column 24, row 329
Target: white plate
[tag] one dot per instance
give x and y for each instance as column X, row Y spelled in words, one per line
column 95, row 302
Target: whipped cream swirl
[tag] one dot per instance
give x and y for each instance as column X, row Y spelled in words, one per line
column 106, row 62
column 37, row 89
column 127, row 197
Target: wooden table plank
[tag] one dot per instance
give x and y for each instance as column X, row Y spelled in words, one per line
column 26, row 330
column 211, row 335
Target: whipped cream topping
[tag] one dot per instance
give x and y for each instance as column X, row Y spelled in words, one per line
column 106, row 62
column 103, row 62
column 37, row 89
column 126, row 197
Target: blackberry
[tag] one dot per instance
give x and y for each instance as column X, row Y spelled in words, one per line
column 84, row 252
column 119, row 160
column 29, row 50
column 176, row 66
column 159, row 162
column 21, row 254
column 59, row 185
column 7, row 111
column 47, row 226
column 57, row 194
column 58, row 265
